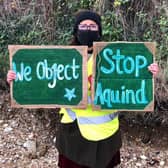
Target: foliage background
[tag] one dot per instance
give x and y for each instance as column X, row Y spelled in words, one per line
column 42, row 22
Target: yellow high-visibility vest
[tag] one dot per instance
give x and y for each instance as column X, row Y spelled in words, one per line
column 93, row 125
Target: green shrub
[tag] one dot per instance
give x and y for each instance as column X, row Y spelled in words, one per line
column 128, row 20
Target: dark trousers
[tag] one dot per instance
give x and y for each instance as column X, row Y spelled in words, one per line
column 64, row 162
column 81, row 152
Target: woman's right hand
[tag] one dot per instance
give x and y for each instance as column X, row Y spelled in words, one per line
column 11, row 75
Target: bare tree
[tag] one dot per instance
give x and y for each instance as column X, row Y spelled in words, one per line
column 101, row 5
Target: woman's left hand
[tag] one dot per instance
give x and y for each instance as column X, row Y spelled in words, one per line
column 154, row 69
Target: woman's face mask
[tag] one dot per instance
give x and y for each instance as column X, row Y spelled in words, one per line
column 87, row 37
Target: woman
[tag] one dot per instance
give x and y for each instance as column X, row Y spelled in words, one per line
column 89, row 144
column 94, row 142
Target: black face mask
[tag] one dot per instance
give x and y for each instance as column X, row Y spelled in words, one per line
column 87, row 37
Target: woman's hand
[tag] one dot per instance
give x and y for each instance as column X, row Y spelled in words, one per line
column 154, row 69
column 11, row 75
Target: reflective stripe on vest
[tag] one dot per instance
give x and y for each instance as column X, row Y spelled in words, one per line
column 71, row 114
column 93, row 120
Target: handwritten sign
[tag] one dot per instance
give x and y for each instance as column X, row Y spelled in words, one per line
column 49, row 76
column 121, row 79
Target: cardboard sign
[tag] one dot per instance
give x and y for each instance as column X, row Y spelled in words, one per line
column 49, row 76
column 121, row 79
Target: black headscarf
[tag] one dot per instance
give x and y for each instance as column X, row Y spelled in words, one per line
column 87, row 14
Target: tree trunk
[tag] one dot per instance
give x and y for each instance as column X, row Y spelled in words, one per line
column 101, row 6
column 161, row 5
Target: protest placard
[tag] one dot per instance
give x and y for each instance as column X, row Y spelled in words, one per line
column 49, row 76
column 121, row 79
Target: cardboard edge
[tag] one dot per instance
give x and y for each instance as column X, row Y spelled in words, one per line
column 37, row 106
column 150, row 106
column 97, row 47
column 83, row 103
column 151, row 46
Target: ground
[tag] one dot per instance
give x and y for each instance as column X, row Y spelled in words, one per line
column 27, row 138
